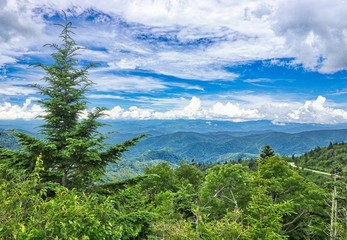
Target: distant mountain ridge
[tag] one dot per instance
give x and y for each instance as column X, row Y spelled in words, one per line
column 160, row 127
column 8, row 141
column 206, row 141
column 210, row 147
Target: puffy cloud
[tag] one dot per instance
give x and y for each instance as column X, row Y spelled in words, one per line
column 193, row 107
column 314, row 111
column 192, row 111
column 231, row 111
column 315, row 32
column 279, row 112
column 27, row 111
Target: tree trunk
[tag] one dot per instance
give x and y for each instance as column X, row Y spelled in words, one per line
column 333, row 217
column 64, row 178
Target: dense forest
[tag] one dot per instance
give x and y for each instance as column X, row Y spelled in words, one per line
column 332, row 158
column 54, row 187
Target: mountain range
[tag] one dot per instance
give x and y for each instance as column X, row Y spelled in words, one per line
column 204, row 141
column 222, row 146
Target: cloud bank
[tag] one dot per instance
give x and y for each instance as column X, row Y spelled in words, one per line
column 313, row 111
column 153, row 52
column 27, row 111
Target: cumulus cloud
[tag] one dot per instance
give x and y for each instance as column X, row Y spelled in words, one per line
column 192, row 111
column 27, row 111
column 281, row 112
column 312, row 111
column 316, row 111
column 233, row 111
column 314, row 32
column 18, row 30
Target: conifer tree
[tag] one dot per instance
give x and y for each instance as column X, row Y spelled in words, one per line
column 266, row 152
column 73, row 151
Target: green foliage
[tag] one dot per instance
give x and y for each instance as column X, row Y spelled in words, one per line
column 163, row 179
column 127, row 168
column 8, row 141
column 229, row 227
column 226, row 188
column 328, row 159
column 229, row 201
column 189, row 174
column 285, row 184
column 233, row 202
column 178, row 230
column 266, row 152
column 133, row 214
column 265, row 217
column 29, row 212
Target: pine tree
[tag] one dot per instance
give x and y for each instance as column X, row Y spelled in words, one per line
column 73, row 151
column 266, row 152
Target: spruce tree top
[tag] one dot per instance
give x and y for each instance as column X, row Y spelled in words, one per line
column 65, row 86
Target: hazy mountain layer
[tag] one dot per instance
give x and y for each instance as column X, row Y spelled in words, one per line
column 205, row 141
column 221, row 146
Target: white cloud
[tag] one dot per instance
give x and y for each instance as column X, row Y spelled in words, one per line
column 27, row 111
column 315, row 32
column 192, row 111
column 202, row 36
column 311, row 31
column 259, row 80
column 11, row 90
column 103, row 96
column 181, row 64
column 18, row 30
column 231, row 111
column 111, row 82
column 315, row 111
column 281, row 112
column 190, row 66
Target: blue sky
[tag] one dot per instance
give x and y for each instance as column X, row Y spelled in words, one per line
column 283, row 61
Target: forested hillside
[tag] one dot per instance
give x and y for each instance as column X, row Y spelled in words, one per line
column 330, row 158
column 7, row 140
column 224, row 146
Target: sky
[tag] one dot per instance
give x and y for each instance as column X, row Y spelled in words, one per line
column 277, row 60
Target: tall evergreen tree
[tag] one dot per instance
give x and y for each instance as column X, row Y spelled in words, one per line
column 266, row 152
column 73, row 150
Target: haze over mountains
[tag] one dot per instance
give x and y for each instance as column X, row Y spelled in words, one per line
column 206, row 141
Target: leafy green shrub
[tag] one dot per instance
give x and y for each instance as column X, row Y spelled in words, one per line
column 27, row 212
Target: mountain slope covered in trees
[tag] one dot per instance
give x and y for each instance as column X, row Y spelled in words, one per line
column 7, row 140
column 329, row 158
column 222, row 146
